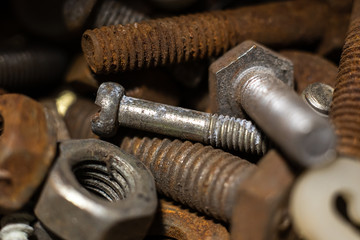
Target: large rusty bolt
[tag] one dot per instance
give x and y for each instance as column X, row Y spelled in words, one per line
column 96, row 191
column 251, row 79
column 198, row 36
column 27, row 149
column 174, row 221
column 345, row 109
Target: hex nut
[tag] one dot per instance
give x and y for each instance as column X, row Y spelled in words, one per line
column 224, row 74
column 27, row 149
column 69, row 207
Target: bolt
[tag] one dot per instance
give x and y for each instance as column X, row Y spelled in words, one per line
column 114, row 12
column 252, row 79
column 319, row 96
column 310, row 68
column 201, row 177
column 217, row 130
column 21, row 69
column 172, row 222
column 345, row 108
column 198, row 36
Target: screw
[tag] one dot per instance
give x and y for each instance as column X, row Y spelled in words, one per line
column 319, row 96
column 201, row 177
column 114, row 12
column 20, row 69
column 198, row 36
column 217, row 130
column 345, row 108
column 255, row 80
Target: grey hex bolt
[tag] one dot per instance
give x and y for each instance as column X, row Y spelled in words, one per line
column 254, row 80
column 217, row 130
column 319, row 97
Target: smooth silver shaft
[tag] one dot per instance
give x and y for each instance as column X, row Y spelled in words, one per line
column 217, row 130
column 303, row 135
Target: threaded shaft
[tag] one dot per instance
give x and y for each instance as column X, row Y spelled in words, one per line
column 21, row 69
column 198, row 36
column 201, row 177
column 114, row 12
column 236, row 134
column 78, row 119
column 345, row 109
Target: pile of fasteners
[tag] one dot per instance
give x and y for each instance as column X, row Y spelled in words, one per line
column 180, row 119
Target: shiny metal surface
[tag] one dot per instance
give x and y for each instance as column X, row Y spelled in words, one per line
column 217, row 130
column 319, row 97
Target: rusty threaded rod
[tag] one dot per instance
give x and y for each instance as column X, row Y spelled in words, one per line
column 201, row 177
column 345, row 109
column 197, row 36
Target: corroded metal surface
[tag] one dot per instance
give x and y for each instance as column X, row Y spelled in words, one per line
column 176, row 222
column 216, row 130
column 198, row 176
column 260, row 211
column 94, row 183
column 310, row 68
column 345, row 109
column 198, row 36
column 27, row 149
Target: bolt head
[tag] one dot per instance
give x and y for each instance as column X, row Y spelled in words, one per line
column 224, row 72
column 108, row 98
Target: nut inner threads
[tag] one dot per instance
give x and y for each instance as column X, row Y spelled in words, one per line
column 95, row 177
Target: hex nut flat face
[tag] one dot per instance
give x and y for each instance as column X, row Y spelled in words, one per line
column 224, row 74
column 70, row 207
column 27, row 149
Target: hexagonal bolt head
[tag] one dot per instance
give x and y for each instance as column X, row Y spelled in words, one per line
column 224, row 74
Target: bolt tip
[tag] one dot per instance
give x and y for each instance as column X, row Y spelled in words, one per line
column 92, row 50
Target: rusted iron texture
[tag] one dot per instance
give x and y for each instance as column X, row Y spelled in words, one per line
column 176, row 222
column 78, row 118
column 260, row 211
column 197, row 176
column 345, row 109
column 27, row 148
column 310, row 68
column 198, row 36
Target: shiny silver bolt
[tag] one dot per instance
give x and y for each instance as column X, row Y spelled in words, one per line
column 217, row 130
column 319, row 97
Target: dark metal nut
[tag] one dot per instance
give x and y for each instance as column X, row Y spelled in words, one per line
column 69, row 206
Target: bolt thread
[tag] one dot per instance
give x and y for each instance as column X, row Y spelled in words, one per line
column 21, row 69
column 198, row 36
column 114, row 13
column 78, row 119
column 345, row 109
column 201, row 177
column 236, row 134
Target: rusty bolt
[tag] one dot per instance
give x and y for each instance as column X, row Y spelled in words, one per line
column 251, row 78
column 27, row 148
column 310, row 68
column 264, row 197
column 198, row 36
column 174, row 221
column 345, row 109
column 21, row 69
column 201, row 177
column 217, row 130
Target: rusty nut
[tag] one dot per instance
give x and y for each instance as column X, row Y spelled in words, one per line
column 95, row 191
column 27, row 149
